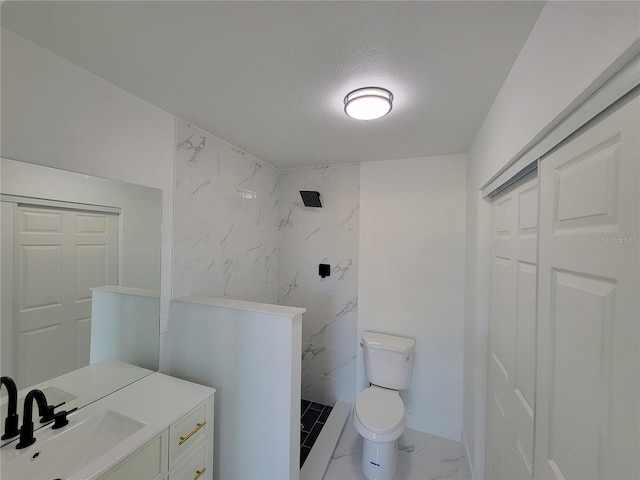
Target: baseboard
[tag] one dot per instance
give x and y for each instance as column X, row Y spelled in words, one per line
column 320, row 455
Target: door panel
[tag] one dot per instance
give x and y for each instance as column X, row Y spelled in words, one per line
column 60, row 255
column 588, row 374
column 512, row 332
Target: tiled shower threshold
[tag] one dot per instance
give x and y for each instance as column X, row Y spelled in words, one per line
column 317, row 459
column 312, row 419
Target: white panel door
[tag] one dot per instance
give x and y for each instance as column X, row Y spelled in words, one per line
column 512, row 333
column 588, row 373
column 59, row 256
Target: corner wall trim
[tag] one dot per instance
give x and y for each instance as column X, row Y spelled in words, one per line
column 467, row 458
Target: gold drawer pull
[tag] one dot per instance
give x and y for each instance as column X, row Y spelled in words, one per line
column 198, row 427
column 199, row 473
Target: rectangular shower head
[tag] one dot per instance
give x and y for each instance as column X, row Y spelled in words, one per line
column 310, row 198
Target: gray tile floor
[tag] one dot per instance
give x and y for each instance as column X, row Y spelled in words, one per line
column 421, row 457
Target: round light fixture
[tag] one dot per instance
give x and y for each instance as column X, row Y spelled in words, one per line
column 368, row 103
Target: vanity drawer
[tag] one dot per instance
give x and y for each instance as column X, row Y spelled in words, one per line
column 145, row 464
column 186, row 432
column 194, row 467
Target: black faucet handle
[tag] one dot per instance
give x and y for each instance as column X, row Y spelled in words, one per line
column 61, row 418
column 50, row 414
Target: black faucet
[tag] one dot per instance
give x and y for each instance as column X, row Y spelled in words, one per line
column 26, row 431
column 11, row 422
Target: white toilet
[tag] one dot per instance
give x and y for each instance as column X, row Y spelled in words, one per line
column 379, row 411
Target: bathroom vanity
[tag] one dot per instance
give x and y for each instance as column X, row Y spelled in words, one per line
column 159, row 428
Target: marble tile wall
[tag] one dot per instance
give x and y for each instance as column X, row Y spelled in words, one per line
column 226, row 217
column 307, row 237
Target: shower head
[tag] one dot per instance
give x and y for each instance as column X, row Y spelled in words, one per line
column 310, row 199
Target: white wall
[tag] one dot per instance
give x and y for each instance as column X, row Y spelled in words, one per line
column 225, row 220
column 412, row 220
column 59, row 115
column 570, row 46
column 121, row 319
column 248, row 352
column 308, row 236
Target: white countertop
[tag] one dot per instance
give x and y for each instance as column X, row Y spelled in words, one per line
column 84, row 385
column 157, row 400
column 268, row 308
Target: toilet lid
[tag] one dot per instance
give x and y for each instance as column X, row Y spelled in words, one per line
column 380, row 409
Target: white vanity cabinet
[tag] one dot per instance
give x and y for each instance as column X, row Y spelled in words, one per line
column 147, row 463
column 191, row 445
column 184, row 451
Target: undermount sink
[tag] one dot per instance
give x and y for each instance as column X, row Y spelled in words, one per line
column 57, row 454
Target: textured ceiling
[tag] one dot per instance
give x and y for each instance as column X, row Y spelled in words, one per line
column 270, row 77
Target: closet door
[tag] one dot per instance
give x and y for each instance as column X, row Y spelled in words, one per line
column 512, row 332
column 587, row 407
column 60, row 255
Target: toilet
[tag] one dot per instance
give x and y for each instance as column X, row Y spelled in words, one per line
column 379, row 411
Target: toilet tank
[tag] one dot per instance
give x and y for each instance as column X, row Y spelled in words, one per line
column 388, row 359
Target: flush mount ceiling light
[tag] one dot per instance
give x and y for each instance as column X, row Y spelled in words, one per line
column 368, row 103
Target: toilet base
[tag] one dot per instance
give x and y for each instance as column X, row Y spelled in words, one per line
column 379, row 460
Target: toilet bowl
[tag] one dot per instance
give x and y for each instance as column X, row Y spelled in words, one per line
column 379, row 419
column 378, row 414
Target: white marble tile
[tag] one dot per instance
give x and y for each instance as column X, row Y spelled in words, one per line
column 242, row 241
column 199, row 277
column 314, row 330
column 239, row 170
column 268, row 211
column 312, row 218
column 441, row 450
column 290, row 215
column 226, row 237
column 340, row 384
column 317, row 178
column 415, row 467
column 341, row 363
column 315, row 359
column 345, row 462
column 340, row 389
column 290, row 182
column 327, row 361
column 198, row 243
column 330, row 297
column 314, row 388
column 330, row 241
column 268, row 180
column 291, row 290
column 430, row 459
column 339, row 190
column 306, row 238
column 342, row 334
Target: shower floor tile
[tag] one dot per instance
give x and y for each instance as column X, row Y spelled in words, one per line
column 314, row 415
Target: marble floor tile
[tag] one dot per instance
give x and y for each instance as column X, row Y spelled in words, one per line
column 421, row 457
